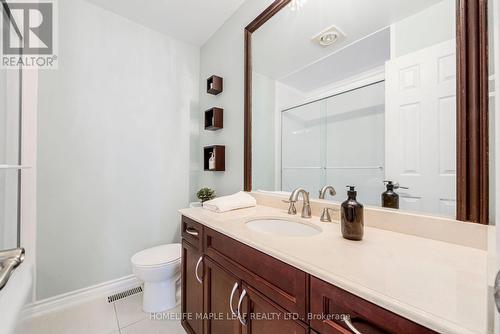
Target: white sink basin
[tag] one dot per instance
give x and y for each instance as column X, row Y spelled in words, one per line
column 283, row 227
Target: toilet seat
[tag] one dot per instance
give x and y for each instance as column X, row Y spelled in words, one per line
column 157, row 256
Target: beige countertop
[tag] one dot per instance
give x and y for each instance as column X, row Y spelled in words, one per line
column 440, row 285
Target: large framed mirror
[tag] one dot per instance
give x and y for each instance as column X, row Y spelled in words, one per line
column 343, row 92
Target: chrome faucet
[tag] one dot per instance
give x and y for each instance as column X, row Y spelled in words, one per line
column 322, row 192
column 325, row 215
column 306, row 208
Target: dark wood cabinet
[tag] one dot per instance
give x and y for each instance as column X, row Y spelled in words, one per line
column 283, row 284
column 215, row 85
column 191, row 232
column 222, row 278
column 262, row 316
column 192, row 289
column 219, row 154
column 221, row 294
column 334, row 310
column 214, row 119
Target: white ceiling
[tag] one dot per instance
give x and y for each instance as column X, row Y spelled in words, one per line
column 192, row 21
column 282, row 48
column 366, row 54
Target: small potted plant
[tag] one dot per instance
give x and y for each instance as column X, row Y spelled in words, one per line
column 205, row 194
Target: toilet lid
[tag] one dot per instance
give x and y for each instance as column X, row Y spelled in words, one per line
column 157, row 255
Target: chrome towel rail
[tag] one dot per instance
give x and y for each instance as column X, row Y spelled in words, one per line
column 339, row 167
column 14, row 167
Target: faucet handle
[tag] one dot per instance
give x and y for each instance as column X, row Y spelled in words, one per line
column 325, row 215
column 292, row 210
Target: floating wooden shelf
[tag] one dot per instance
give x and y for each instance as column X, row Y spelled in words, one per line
column 220, row 157
column 214, row 85
column 214, row 119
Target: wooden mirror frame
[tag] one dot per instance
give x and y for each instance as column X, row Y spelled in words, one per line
column 472, row 106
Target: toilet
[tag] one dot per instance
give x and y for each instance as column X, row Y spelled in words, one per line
column 160, row 269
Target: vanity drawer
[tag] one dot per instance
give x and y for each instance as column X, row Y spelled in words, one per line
column 280, row 282
column 192, row 232
column 329, row 304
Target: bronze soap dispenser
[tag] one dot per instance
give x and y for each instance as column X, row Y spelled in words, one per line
column 352, row 222
column 390, row 199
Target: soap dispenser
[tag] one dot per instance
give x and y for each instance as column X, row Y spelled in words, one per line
column 211, row 161
column 390, row 199
column 352, row 222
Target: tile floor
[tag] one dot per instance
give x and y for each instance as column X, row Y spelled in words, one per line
column 100, row 317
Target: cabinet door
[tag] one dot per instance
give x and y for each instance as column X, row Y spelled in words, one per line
column 335, row 311
column 192, row 289
column 221, row 293
column 261, row 316
column 259, row 270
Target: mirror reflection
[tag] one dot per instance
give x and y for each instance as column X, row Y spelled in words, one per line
column 358, row 93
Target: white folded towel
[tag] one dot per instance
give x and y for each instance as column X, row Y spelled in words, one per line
column 236, row 201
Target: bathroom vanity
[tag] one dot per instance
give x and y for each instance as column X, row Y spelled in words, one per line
column 343, row 95
column 236, row 279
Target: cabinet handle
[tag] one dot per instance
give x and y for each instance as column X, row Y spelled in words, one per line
column 240, row 317
column 235, row 287
column 351, row 326
column 196, row 270
column 192, row 231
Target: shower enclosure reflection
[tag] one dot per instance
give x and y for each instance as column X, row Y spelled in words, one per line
column 338, row 140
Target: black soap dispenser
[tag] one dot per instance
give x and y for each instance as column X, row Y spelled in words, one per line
column 352, row 222
column 390, row 199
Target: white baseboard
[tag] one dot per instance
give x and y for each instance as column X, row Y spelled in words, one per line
column 78, row 296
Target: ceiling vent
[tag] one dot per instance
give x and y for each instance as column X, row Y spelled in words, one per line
column 329, row 36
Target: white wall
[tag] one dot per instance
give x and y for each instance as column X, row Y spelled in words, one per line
column 113, row 146
column 223, row 55
column 263, row 139
column 431, row 26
